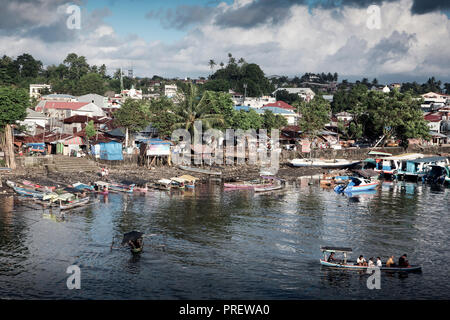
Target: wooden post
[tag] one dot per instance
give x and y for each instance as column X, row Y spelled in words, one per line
column 9, row 147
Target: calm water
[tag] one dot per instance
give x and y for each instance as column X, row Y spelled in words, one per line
column 216, row 244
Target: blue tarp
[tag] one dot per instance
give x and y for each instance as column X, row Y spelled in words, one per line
column 111, row 151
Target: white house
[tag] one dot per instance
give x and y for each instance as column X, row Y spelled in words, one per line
column 33, row 120
column 96, row 99
column 305, row 93
column 62, row 110
column 170, row 90
column 255, row 103
column 36, row 89
column 132, row 93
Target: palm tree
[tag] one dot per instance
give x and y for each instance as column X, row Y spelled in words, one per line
column 212, row 63
column 191, row 108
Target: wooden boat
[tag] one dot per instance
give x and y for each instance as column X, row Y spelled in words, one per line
column 25, row 192
column 388, row 166
column 162, row 184
column 74, row 204
column 177, row 183
column 323, row 163
column 417, row 168
column 246, row 185
column 199, row 170
column 269, row 188
column 189, row 181
column 344, row 264
column 37, row 186
column 357, row 184
column 121, row 188
column 438, row 174
column 82, row 186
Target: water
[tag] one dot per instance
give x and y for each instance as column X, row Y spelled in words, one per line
column 216, row 244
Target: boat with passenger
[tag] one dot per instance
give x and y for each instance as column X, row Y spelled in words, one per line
column 356, row 184
column 344, row 263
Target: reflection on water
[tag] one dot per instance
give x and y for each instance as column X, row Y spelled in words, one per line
column 228, row 244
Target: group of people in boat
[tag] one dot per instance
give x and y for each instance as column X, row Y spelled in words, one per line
column 361, row 261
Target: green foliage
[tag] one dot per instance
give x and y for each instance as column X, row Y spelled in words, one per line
column 314, row 115
column 13, row 105
column 247, row 120
column 162, row 116
column 287, row 97
column 134, row 115
column 91, row 83
column 272, row 121
column 235, row 75
column 90, row 129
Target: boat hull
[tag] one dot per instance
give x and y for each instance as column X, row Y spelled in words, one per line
column 324, row 164
column 365, row 187
column 356, row 267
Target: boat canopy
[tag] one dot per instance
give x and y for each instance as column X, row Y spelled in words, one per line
column 179, row 180
column 429, row 159
column 335, row 249
column 165, row 181
column 379, row 153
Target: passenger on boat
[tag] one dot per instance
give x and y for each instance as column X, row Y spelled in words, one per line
column 332, row 258
column 390, row 262
column 379, row 263
column 403, row 262
column 371, row 264
column 361, row 261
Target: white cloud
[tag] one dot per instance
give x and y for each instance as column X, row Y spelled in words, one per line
column 327, row 40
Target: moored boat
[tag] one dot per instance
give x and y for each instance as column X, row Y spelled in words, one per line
column 323, row 163
column 162, row 184
column 121, row 188
column 357, row 184
column 74, row 204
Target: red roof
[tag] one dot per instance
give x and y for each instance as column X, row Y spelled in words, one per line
column 62, row 105
column 434, row 117
column 280, row 104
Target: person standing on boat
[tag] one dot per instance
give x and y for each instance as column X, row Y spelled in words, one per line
column 371, row 264
column 379, row 263
column 361, row 261
column 390, row 262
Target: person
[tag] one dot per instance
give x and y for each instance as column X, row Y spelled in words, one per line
column 403, row 262
column 371, row 264
column 390, row 262
column 332, row 258
column 379, row 263
column 361, row 261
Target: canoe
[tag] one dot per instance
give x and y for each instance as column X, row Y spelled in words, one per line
column 74, row 204
column 37, row 186
column 198, row 170
column 323, row 163
column 246, row 185
column 412, row 268
column 121, row 188
column 268, row 188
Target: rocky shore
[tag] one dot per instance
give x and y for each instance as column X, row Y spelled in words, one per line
column 141, row 175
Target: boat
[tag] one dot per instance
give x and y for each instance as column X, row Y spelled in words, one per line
column 357, row 184
column 438, row 174
column 101, row 187
column 388, row 166
column 324, row 163
column 38, row 186
column 269, row 188
column 248, row 185
column 417, row 168
column 121, row 188
column 74, row 204
column 25, row 192
column 177, row 183
column 345, row 264
column 162, row 184
column 82, row 186
column 199, row 170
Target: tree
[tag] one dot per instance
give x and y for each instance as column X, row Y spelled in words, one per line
column 272, row 121
column 91, row 83
column 27, row 66
column 13, row 108
column 162, row 116
column 212, row 64
column 77, row 66
column 134, row 115
column 191, row 107
column 247, row 120
column 284, row 95
column 447, row 88
column 90, row 132
column 314, row 115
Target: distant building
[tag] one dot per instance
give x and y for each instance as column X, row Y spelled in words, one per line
column 59, row 97
column 305, row 93
column 344, row 116
column 132, row 93
column 170, row 90
column 255, row 103
column 62, row 110
column 36, row 90
column 280, row 104
column 34, row 120
column 96, row 99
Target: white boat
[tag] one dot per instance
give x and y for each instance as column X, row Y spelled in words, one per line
column 323, row 163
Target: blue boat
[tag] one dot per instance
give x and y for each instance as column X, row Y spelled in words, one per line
column 416, row 169
column 356, row 184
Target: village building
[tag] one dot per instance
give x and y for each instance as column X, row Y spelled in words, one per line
column 170, row 90
column 33, row 121
column 37, row 89
column 305, row 93
column 62, row 110
column 96, row 99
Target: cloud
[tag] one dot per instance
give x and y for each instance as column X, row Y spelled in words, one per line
column 322, row 37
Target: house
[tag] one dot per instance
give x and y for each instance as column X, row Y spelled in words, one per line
column 59, row 97
column 132, row 93
column 37, row 89
column 280, row 104
column 170, row 90
column 96, row 99
column 62, row 110
column 255, row 103
column 34, row 120
column 305, row 93
column 344, row 116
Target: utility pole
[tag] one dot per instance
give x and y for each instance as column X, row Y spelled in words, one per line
column 245, row 93
column 121, row 80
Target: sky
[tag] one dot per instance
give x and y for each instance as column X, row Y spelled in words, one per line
column 396, row 41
